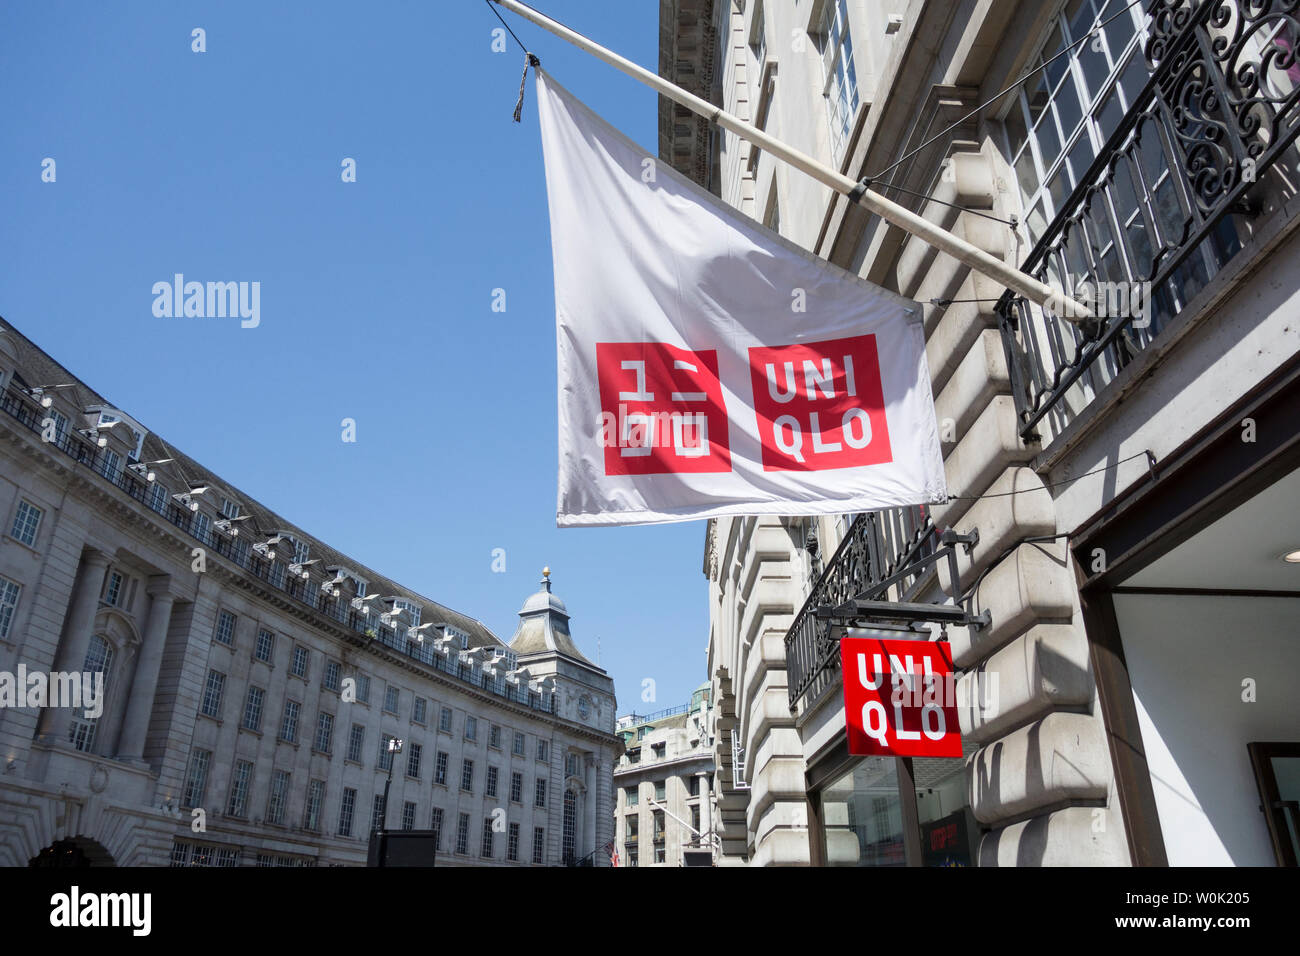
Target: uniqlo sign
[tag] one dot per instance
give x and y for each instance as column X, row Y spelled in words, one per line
column 662, row 409
column 900, row 698
column 820, row 405
column 709, row 368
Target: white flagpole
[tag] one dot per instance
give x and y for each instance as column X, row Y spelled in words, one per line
column 955, row 246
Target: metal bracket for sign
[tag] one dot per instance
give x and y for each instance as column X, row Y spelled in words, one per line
column 869, row 609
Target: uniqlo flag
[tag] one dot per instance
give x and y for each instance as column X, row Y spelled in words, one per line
column 708, row 367
column 900, row 698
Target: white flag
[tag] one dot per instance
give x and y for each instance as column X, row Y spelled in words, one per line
column 709, row 367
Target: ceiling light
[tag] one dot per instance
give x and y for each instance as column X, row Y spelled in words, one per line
column 1291, row 557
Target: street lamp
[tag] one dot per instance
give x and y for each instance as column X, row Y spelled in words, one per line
column 394, row 748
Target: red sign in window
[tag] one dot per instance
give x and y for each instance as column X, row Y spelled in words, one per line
column 900, row 698
column 661, row 409
column 820, row 405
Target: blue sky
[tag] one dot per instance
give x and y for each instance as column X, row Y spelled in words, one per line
column 375, row 295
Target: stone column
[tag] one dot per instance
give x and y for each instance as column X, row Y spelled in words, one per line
column 589, row 821
column 140, row 702
column 706, row 809
column 55, row 721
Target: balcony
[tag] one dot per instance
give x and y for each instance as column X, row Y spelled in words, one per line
column 1162, row 207
column 878, row 545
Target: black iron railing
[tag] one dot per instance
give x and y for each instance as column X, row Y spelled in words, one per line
column 878, row 544
column 1158, row 209
column 108, row 466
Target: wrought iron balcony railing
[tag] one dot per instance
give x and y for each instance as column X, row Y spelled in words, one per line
column 107, row 466
column 877, row 546
column 1161, row 202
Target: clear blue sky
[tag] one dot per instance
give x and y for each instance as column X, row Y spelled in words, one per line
column 375, row 295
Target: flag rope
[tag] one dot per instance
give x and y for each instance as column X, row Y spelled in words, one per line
column 1049, row 485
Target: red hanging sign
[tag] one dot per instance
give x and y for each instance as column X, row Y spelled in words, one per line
column 900, row 698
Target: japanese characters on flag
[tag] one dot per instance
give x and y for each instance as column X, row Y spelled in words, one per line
column 708, row 367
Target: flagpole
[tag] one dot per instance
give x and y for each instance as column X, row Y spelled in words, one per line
column 892, row 212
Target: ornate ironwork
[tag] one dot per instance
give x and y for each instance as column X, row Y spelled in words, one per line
column 878, row 545
column 1221, row 106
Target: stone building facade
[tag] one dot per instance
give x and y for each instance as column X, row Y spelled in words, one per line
column 254, row 676
column 1127, row 476
column 663, row 786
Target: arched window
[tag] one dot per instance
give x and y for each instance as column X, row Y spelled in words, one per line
column 570, row 826
column 99, row 659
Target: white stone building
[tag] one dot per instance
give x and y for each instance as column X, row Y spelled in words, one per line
column 1132, row 479
column 256, row 675
column 663, row 786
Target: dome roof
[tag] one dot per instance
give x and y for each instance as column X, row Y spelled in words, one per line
column 544, row 625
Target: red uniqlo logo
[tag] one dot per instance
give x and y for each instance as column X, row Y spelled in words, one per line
column 900, row 698
column 661, row 409
column 820, row 405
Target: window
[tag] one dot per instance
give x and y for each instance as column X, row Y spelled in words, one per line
column 633, row 796
column 695, row 819
column 60, row 425
column 660, row 789
column 494, row 737
column 253, row 708
column 26, row 521
column 356, row 740
column 659, row 854
column 693, row 785
column 385, row 751
column 159, row 495
column 99, row 658
column 435, row 824
column 659, row 749
column 301, row 658
column 289, row 722
column 490, row 788
column 377, row 812
column 633, row 854
column 440, row 768
column 363, row 688
column 315, row 801
column 467, row 776
column 408, row 815
column 518, row 748
column 392, row 697
column 331, row 680
column 512, row 843
column 418, row 709
column 659, row 825
column 225, row 629
column 840, row 87
column 412, row 609
column 202, row 524
column 113, row 588
column 444, row 719
column 276, row 801
column 229, row 509
column 539, row 794
column 265, row 650
column 471, row 728
column 413, row 754
column 631, row 825
column 538, row 844
column 110, row 464
column 487, row 848
column 543, row 750
column 361, row 587
column 238, row 804
column 1058, row 122
column 212, row 694
column 462, row 834
column 8, row 605
column 571, row 765
column 346, row 808
column 570, row 834
column 516, row 787
column 196, row 778
column 301, row 551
